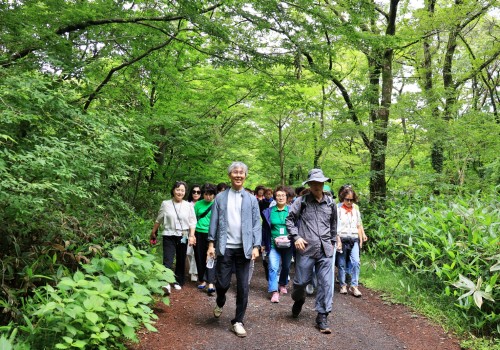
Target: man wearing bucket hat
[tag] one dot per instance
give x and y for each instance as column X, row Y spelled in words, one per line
column 312, row 225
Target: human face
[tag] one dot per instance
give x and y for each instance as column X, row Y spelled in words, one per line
column 316, row 189
column 348, row 200
column 196, row 194
column 237, row 177
column 260, row 193
column 208, row 196
column 179, row 193
column 280, row 198
column 268, row 195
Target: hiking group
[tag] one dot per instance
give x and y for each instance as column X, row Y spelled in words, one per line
column 231, row 226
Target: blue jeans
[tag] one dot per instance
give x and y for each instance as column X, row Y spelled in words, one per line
column 353, row 255
column 277, row 256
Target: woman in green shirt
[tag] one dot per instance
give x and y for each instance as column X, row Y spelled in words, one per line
column 203, row 211
column 276, row 242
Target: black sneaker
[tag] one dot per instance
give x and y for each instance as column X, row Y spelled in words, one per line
column 322, row 322
column 297, row 308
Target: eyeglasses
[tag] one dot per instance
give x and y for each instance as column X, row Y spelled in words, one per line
column 196, row 192
column 351, row 200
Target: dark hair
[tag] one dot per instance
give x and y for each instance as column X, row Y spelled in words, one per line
column 305, row 191
column 258, row 188
column 209, row 188
column 267, row 189
column 178, row 184
column 290, row 192
column 280, row 189
column 298, row 190
column 345, row 190
column 221, row 187
column 190, row 195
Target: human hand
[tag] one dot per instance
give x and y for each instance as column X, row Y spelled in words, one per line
column 192, row 240
column 211, row 252
column 301, row 244
column 255, row 253
column 152, row 238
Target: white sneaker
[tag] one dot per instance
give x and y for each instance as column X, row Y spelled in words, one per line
column 194, row 277
column 166, row 289
column 239, row 330
column 177, row 286
column 309, row 289
column 355, row 291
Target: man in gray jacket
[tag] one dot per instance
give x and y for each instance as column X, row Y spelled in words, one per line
column 312, row 225
column 234, row 236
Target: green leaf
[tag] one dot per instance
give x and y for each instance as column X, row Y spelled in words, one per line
column 128, row 332
column 110, row 268
column 5, row 344
column 80, row 344
column 92, row 317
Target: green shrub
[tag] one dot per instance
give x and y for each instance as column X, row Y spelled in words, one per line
column 108, row 302
column 451, row 242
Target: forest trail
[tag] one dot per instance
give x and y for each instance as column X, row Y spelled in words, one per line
column 357, row 323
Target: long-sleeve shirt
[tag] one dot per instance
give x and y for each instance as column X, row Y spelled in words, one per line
column 177, row 218
column 317, row 226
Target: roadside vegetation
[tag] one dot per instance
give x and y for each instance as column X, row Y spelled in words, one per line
column 105, row 104
column 441, row 257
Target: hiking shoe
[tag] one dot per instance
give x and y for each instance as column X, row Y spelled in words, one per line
column 217, row 311
column 343, row 290
column 355, row 291
column 275, row 298
column 283, row 290
column 177, row 286
column 309, row 289
column 166, row 289
column 297, row 308
column 238, row 329
column 322, row 323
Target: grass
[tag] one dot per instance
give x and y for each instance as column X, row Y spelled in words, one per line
column 398, row 286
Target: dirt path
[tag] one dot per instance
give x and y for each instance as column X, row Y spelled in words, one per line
column 364, row 323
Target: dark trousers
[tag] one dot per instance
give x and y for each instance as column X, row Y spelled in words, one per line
column 173, row 248
column 223, row 271
column 200, row 255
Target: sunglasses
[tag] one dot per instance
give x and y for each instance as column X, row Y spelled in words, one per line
column 351, row 200
column 196, row 192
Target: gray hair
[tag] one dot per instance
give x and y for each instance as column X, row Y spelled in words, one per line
column 235, row 165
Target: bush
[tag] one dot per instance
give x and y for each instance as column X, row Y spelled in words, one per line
column 451, row 242
column 108, row 302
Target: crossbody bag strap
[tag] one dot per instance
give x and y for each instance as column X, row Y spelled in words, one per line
column 205, row 213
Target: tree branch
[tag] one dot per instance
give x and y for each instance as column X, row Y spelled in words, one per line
column 85, row 24
column 121, row 66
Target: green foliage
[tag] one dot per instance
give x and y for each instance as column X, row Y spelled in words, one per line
column 452, row 242
column 107, row 302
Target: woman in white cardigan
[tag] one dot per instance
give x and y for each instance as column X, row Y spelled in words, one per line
column 179, row 222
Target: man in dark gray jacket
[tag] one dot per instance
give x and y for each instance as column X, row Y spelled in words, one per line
column 312, row 225
column 234, row 236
